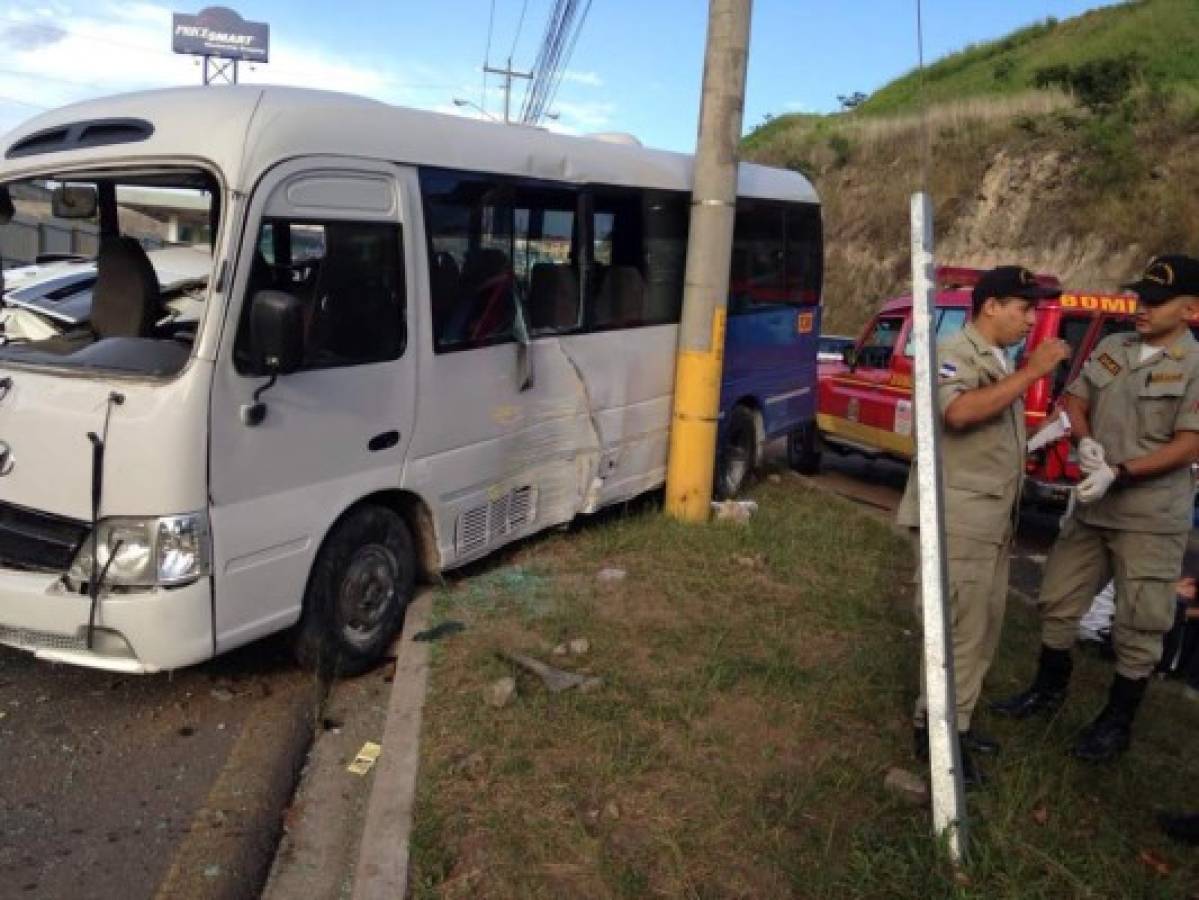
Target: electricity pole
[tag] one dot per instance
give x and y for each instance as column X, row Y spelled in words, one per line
column 509, row 73
column 709, row 251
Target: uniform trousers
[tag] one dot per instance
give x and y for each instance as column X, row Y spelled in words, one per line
column 977, row 584
column 1146, row 568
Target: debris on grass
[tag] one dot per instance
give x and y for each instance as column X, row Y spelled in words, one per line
column 579, row 647
column 907, row 786
column 448, row 628
column 1154, row 861
column 738, row 511
column 1040, row 815
column 500, row 692
column 555, row 680
column 611, row 574
column 365, row 760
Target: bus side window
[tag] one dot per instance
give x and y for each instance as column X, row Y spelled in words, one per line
column 349, row 279
column 469, row 223
column 545, row 240
column 757, row 277
column 805, row 258
column 616, row 285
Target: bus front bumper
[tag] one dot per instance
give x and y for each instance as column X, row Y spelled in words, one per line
column 143, row 632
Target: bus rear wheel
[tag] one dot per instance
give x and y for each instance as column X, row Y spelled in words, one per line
column 738, row 453
column 803, row 449
column 361, row 584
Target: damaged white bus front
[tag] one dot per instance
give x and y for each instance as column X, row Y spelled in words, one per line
column 105, row 551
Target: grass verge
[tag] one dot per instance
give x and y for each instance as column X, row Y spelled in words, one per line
column 757, row 687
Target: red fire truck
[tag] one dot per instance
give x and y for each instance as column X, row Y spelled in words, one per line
column 865, row 402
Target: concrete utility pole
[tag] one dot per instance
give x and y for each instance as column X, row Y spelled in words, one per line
column 709, row 252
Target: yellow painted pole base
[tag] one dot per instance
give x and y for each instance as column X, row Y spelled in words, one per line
column 692, row 460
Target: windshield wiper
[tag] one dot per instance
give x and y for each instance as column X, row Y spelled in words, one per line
column 98, row 575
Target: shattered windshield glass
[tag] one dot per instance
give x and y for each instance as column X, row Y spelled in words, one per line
column 106, row 273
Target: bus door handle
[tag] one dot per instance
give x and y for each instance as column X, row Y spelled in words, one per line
column 384, row 441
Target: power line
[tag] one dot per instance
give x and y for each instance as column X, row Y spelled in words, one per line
column 561, row 34
column 519, row 25
column 566, row 59
column 487, row 56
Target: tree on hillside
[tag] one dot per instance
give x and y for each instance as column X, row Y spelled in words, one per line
column 1099, row 84
column 852, row 101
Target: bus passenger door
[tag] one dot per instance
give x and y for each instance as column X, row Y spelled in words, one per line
column 334, row 235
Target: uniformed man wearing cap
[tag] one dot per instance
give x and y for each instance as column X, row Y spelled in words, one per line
column 982, row 409
column 1134, row 411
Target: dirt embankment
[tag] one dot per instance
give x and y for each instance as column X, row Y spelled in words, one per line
column 1059, row 190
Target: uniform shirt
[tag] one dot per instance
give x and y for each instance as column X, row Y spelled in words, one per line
column 1135, row 406
column 983, row 466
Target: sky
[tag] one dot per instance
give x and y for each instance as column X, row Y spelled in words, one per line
column 636, row 68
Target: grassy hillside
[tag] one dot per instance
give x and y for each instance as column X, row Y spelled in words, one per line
column 1164, row 32
column 1085, row 177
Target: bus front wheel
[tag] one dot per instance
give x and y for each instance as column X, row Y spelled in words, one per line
column 361, row 583
column 738, row 453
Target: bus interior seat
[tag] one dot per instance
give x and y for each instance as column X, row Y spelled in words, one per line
column 553, row 297
column 126, row 299
column 485, row 294
column 621, row 297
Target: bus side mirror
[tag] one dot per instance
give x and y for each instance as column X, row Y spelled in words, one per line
column 276, row 344
column 850, row 357
column 277, row 332
column 74, row 201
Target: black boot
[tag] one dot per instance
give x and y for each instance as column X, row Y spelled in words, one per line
column 972, row 775
column 1048, row 687
column 1182, row 827
column 977, row 742
column 1109, row 735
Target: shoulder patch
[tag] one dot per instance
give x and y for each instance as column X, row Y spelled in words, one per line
column 1110, row 364
column 947, row 370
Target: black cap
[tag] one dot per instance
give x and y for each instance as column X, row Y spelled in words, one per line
column 1011, row 281
column 1167, row 277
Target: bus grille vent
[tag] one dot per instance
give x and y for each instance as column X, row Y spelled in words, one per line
column 486, row 525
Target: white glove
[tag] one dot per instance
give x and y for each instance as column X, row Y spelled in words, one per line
column 1095, row 485
column 1091, row 456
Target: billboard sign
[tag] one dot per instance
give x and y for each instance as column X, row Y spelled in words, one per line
column 219, row 31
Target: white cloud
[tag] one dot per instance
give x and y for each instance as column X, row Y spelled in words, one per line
column 113, row 48
column 590, row 79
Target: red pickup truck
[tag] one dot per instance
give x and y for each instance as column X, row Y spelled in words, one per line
column 865, row 401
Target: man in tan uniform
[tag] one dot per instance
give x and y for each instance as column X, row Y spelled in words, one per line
column 983, row 449
column 1134, row 410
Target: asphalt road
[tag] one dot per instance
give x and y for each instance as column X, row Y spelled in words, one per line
column 878, row 485
column 127, row 787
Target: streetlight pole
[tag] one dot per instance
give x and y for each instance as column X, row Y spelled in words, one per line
column 458, row 101
column 709, row 252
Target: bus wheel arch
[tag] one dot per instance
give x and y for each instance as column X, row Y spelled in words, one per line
column 362, row 580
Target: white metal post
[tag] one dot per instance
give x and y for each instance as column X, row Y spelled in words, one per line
column 945, row 772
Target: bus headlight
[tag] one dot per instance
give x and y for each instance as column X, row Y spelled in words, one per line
column 146, row 553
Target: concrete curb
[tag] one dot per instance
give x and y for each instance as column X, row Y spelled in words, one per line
column 382, row 872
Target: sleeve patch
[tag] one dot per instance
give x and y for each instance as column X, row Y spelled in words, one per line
column 1110, row 364
column 947, row 370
